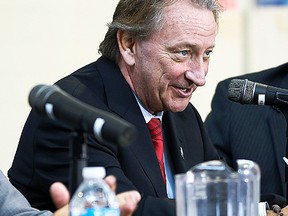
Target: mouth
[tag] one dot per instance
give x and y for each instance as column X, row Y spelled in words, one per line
column 184, row 92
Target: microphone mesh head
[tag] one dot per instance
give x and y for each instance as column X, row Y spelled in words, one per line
column 235, row 90
column 241, row 91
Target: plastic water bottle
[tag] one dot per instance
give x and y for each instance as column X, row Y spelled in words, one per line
column 93, row 196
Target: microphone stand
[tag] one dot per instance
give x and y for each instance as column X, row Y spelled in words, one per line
column 78, row 159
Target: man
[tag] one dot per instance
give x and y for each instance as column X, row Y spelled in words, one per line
column 253, row 132
column 154, row 56
column 13, row 203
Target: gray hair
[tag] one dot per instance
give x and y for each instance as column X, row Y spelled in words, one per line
column 140, row 18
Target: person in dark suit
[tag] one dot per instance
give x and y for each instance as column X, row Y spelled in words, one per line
column 253, row 132
column 154, row 56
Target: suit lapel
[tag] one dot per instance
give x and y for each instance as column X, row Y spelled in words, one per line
column 144, row 151
column 122, row 102
column 174, row 141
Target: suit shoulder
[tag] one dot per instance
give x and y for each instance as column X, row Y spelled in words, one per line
column 267, row 76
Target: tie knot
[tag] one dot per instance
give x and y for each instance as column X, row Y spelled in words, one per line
column 154, row 126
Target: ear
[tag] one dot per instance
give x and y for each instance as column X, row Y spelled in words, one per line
column 126, row 45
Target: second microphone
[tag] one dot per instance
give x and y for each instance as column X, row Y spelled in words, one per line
column 248, row 92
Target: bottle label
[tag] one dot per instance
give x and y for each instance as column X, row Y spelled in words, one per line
column 98, row 212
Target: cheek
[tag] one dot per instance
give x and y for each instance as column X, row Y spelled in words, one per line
column 172, row 71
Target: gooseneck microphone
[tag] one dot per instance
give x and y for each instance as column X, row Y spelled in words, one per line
column 53, row 102
column 248, row 92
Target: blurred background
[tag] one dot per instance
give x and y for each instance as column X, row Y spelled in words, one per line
column 42, row 41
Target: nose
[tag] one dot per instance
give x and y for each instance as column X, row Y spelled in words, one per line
column 197, row 73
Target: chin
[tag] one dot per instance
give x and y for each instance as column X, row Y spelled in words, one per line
column 177, row 108
column 176, row 104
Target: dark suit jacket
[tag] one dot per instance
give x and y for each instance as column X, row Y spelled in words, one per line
column 42, row 156
column 252, row 132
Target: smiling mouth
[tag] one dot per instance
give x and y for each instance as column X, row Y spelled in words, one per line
column 185, row 90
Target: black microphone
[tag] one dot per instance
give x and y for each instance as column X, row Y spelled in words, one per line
column 53, row 102
column 248, row 92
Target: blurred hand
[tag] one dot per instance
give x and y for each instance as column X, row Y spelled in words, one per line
column 61, row 198
column 128, row 200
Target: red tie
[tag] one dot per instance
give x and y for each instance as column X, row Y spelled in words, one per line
column 154, row 126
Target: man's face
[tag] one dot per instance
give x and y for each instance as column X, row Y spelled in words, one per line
column 174, row 61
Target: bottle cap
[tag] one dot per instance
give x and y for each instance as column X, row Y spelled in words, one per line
column 93, row 172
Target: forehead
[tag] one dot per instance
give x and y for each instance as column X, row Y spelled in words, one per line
column 184, row 20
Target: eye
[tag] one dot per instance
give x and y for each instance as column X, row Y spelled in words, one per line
column 207, row 54
column 184, row 52
column 180, row 55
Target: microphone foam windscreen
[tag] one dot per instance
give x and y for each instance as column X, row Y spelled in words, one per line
column 241, row 91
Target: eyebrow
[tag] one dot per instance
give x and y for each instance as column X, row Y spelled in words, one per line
column 197, row 47
column 190, row 46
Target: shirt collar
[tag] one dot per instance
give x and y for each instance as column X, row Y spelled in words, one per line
column 146, row 114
